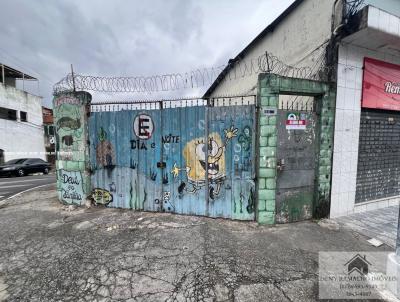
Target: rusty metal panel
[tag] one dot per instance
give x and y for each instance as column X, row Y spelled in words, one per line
column 184, row 177
column 228, row 172
column 232, row 188
column 123, row 165
column 188, row 159
column 296, row 161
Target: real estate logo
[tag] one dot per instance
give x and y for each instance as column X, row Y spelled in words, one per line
column 358, row 264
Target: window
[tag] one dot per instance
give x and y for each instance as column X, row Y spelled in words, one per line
column 48, row 130
column 23, row 116
column 35, row 161
column 8, row 114
column 15, row 161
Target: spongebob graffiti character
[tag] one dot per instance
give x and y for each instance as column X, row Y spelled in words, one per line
column 205, row 161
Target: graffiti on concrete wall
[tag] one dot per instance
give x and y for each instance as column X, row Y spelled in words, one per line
column 69, row 132
column 71, row 147
column 72, row 186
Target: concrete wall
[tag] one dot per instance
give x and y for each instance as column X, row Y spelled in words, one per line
column 347, row 127
column 292, row 41
column 72, row 151
column 21, row 139
column 391, row 6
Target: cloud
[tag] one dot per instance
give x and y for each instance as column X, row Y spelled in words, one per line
column 126, row 38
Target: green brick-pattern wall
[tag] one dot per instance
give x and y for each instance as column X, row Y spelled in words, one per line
column 326, row 131
column 72, row 149
column 269, row 88
column 267, row 155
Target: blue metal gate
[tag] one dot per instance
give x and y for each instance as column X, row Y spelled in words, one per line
column 183, row 156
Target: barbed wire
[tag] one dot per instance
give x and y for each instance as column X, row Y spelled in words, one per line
column 235, row 69
column 353, row 6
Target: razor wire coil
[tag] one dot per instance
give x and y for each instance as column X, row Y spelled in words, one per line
column 235, row 69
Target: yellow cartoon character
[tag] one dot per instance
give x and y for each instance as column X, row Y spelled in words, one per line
column 199, row 164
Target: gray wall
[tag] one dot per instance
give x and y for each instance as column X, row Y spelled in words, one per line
column 391, row 6
column 293, row 41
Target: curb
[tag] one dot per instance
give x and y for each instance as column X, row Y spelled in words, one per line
column 4, row 202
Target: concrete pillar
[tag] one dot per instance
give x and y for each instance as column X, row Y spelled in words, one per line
column 325, row 142
column 393, row 266
column 71, row 112
column 268, row 99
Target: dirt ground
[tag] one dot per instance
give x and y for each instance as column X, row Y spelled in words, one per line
column 51, row 252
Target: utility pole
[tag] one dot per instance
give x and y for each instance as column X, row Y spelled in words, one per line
column 398, row 237
column 73, row 77
column 3, row 80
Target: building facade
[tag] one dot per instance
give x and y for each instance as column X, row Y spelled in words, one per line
column 366, row 167
column 49, row 134
column 21, row 122
column 358, row 49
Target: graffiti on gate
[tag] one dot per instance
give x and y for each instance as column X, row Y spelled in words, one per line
column 105, row 154
column 140, row 145
column 170, row 139
column 161, row 160
column 101, row 196
column 202, row 160
column 71, row 186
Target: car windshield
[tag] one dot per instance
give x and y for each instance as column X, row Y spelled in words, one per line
column 15, row 161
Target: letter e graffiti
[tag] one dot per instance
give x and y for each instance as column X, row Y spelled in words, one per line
column 143, row 126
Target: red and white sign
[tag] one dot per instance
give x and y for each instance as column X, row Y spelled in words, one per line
column 143, row 126
column 381, row 85
column 296, row 121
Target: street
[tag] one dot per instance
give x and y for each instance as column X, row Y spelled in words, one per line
column 14, row 185
column 54, row 252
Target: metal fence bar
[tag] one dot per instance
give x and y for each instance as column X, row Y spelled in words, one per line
column 206, row 130
column 173, row 103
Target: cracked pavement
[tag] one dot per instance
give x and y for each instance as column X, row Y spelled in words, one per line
column 51, row 252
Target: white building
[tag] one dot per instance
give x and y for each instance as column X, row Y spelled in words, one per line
column 20, row 118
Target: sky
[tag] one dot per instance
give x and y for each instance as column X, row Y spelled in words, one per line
column 126, row 38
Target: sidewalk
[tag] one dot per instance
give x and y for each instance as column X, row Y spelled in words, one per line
column 51, row 252
column 380, row 224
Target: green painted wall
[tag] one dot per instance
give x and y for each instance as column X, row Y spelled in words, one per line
column 269, row 88
column 72, row 150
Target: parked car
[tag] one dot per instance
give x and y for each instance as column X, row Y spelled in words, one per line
column 24, row 166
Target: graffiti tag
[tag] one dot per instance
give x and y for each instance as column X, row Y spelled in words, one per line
column 140, row 145
column 69, row 123
column 67, row 100
column 101, row 196
column 170, row 139
column 71, row 186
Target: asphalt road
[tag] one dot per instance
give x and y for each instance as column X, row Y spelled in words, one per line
column 14, row 185
column 49, row 252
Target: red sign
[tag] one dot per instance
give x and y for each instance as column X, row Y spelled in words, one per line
column 381, row 85
column 296, row 121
